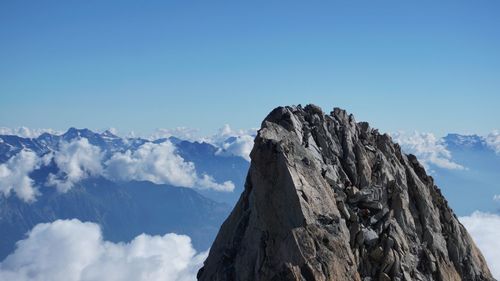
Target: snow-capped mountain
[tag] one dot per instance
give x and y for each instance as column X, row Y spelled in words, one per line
column 211, row 163
column 126, row 185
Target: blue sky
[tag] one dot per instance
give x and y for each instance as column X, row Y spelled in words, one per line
column 139, row 65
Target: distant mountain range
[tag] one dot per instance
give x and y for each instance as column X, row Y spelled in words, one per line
column 207, row 158
column 124, row 209
column 127, row 207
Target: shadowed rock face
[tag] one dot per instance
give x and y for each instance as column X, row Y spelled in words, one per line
column 327, row 198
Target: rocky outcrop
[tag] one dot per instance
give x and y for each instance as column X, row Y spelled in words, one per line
column 327, row 198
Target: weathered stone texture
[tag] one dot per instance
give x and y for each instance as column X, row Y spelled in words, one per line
column 327, row 198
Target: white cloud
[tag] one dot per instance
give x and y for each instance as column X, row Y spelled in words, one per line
column 226, row 131
column 159, row 164
column 429, row 149
column 485, row 230
column 493, row 141
column 183, row 133
column 229, row 142
column 76, row 161
column 496, row 197
column 239, row 146
column 14, row 175
column 70, row 250
column 207, row 181
column 27, row 132
column 233, row 142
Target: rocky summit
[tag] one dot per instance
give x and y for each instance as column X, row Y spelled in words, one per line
column 327, row 198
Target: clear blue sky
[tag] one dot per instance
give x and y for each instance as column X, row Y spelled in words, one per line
column 139, row 65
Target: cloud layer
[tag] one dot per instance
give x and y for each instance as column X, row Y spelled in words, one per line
column 71, row 250
column 485, row 230
column 233, row 142
column 14, row 175
column 429, row 149
column 76, row 160
column 183, row 133
column 27, row 132
column 159, row 164
column 237, row 146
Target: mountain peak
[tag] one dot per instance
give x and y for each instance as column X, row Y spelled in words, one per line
column 109, row 134
column 327, row 198
column 74, row 132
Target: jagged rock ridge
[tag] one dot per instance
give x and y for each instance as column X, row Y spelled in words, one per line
column 327, row 198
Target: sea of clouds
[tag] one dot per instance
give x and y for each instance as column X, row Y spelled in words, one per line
column 71, row 250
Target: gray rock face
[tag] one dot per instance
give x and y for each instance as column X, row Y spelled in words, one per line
column 327, row 198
